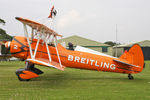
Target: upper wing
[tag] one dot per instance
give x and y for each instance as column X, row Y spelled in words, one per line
column 37, row 26
column 45, row 62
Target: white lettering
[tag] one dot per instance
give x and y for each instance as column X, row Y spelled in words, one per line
column 70, row 58
column 87, row 61
column 83, row 60
column 15, row 46
column 96, row 64
column 113, row 66
column 101, row 64
column 77, row 59
column 91, row 61
column 106, row 65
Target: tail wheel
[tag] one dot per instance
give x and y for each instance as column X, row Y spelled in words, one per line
column 130, row 77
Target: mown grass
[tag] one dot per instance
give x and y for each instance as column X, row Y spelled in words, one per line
column 73, row 84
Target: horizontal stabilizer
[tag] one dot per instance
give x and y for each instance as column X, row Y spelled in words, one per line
column 45, row 62
column 126, row 63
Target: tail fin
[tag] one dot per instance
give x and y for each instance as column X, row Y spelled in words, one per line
column 134, row 56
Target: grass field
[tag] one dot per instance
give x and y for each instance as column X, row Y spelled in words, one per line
column 73, row 84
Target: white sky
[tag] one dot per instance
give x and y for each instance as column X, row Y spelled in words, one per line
column 92, row 19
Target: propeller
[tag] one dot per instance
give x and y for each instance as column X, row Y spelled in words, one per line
column 2, row 42
column 7, row 46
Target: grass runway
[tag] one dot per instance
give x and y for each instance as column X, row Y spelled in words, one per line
column 73, row 84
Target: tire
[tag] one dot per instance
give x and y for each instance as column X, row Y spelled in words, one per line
column 131, row 77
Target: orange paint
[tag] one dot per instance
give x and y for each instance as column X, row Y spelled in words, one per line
column 28, row 75
column 130, row 62
column 81, row 60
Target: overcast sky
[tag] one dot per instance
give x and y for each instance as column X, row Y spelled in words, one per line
column 92, row 19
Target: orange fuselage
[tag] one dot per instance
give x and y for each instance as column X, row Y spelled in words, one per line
column 74, row 59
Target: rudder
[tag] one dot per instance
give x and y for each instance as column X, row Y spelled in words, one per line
column 134, row 56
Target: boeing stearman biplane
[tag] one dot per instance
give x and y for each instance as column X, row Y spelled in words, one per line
column 41, row 48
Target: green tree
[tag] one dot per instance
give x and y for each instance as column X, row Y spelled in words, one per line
column 111, row 43
column 4, row 36
column 2, row 21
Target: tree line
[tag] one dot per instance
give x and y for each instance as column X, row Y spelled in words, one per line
column 3, row 34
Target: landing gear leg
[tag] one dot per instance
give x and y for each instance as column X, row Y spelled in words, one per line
column 130, row 77
column 30, row 66
column 25, row 74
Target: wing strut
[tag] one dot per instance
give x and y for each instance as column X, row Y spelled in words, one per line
column 39, row 33
column 36, row 47
column 27, row 35
column 57, row 51
column 50, row 59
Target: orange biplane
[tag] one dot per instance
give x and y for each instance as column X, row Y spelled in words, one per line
column 41, row 47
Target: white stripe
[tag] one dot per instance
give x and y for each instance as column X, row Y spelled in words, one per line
column 87, row 50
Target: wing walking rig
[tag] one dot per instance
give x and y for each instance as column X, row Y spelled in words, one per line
column 41, row 32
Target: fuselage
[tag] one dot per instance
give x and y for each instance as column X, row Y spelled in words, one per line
column 74, row 59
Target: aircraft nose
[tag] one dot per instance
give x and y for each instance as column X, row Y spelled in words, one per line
column 7, row 44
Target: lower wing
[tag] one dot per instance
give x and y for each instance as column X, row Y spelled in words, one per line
column 45, row 62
